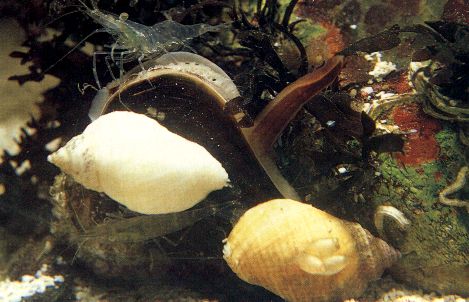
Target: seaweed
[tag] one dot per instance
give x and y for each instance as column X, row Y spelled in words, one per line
column 443, row 80
column 452, row 52
column 333, row 111
column 385, row 40
column 336, row 137
column 259, row 36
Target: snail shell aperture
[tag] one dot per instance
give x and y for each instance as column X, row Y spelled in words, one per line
column 304, row 254
column 140, row 164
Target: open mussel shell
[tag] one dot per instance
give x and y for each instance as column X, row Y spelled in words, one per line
column 188, row 104
column 191, row 106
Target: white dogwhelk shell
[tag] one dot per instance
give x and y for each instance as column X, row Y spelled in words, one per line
column 140, row 164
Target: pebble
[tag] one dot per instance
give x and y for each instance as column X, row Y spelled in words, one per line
column 28, row 285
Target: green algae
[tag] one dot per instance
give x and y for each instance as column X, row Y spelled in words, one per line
column 436, row 246
column 307, row 31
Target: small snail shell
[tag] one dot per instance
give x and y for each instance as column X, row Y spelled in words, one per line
column 140, row 164
column 304, row 254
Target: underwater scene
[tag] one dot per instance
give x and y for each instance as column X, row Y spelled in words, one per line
column 234, row 150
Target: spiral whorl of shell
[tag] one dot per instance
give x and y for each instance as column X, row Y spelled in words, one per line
column 304, row 254
column 140, row 164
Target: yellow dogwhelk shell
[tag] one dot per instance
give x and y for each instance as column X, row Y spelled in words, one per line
column 140, row 164
column 304, row 254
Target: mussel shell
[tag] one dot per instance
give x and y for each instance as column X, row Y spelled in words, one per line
column 195, row 110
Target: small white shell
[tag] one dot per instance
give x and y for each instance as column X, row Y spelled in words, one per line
column 140, row 164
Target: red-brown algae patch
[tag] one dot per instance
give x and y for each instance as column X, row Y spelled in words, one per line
column 325, row 46
column 456, row 11
column 397, row 83
column 438, row 176
column 400, row 84
column 334, row 39
column 421, row 146
column 355, row 71
column 316, row 10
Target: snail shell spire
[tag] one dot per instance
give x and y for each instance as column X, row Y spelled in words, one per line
column 304, row 254
column 140, row 164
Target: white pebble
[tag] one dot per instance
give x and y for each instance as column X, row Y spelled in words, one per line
column 27, row 278
column 382, row 69
column 28, row 286
column 366, row 107
column 367, row 90
column 385, row 95
column 59, row 279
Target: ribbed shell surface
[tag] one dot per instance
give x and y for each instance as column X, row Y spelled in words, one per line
column 264, row 246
